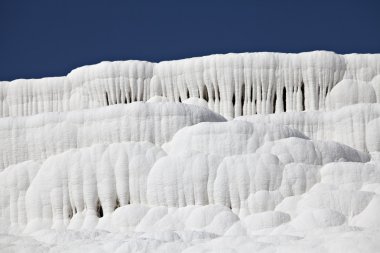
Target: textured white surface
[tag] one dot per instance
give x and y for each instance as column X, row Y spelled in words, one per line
column 354, row 125
column 232, row 84
column 78, row 173
column 40, row 136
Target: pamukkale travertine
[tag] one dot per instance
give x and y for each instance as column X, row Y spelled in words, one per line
column 251, row 152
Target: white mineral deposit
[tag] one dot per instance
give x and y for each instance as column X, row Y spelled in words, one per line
column 251, row 152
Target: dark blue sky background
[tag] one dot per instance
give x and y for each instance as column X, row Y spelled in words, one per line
column 50, row 37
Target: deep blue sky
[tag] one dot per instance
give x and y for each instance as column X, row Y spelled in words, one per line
column 50, row 37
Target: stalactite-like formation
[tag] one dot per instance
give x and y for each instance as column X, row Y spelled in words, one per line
column 265, row 152
column 232, row 84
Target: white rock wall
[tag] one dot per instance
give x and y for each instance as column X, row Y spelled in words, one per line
column 232, row 84
column 80, row 173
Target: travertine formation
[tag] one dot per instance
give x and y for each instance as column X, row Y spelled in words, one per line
column 233, row 84
column 254, row 152
column 39, row 136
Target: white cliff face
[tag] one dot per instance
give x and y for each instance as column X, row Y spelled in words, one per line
column 232, row 84
column 298, row 172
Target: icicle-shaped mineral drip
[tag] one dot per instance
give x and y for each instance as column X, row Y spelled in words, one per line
column 90, row 158
column 122, row 180
column 210, row 77
column 247, row 84
column 75, row 183
column 225, row 83
column 105, row 178
column 4, row 109
column 238, row 82
column 259, row 77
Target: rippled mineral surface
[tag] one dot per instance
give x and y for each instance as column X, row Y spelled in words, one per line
column 253, row 152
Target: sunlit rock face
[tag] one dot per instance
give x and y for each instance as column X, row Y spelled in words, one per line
column 253, row 152
column 232, row 84
column 40, row 136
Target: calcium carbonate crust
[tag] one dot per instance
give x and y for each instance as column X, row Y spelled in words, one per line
column 107, row 159
column 231, row 84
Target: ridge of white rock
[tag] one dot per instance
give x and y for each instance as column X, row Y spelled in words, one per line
column 232, row 84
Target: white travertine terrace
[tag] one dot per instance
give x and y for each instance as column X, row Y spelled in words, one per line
column 253, row 152
column 355, row 125
column 39, row 136
column 233, row 84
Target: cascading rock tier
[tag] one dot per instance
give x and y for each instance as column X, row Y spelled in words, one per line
column 232, row 84
column 252, row 152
